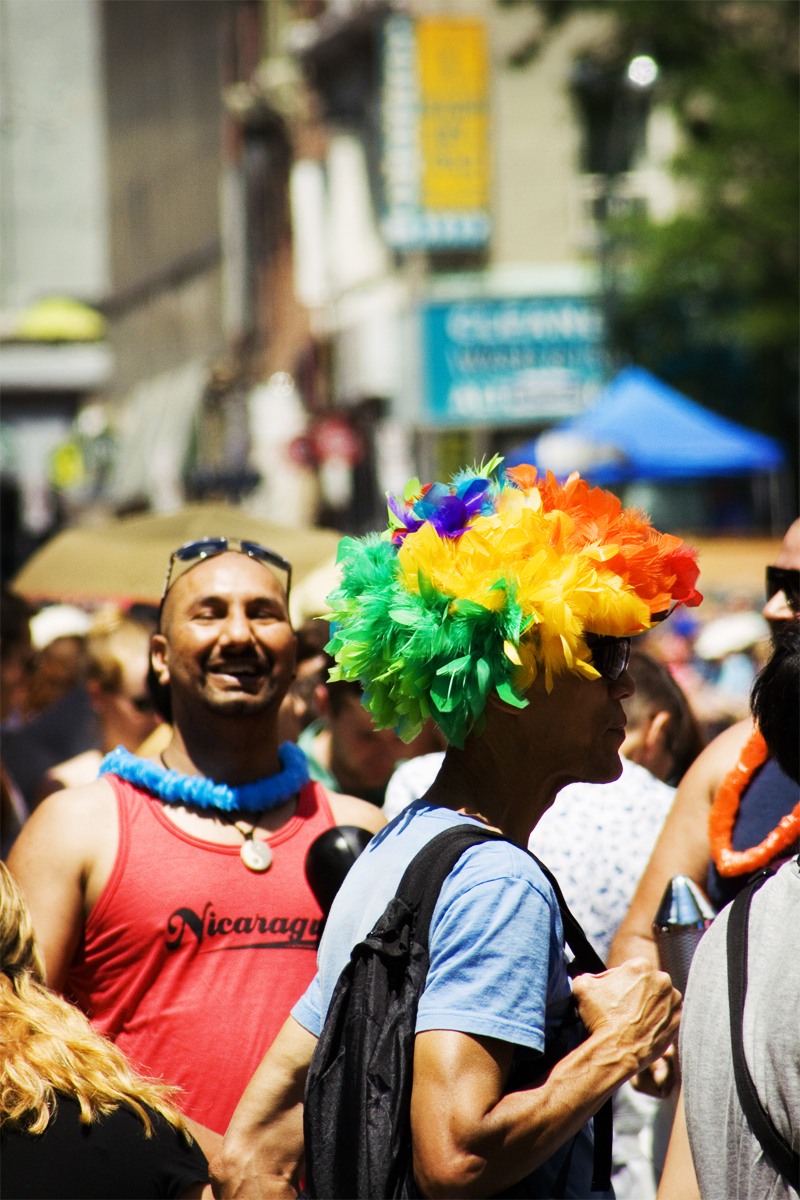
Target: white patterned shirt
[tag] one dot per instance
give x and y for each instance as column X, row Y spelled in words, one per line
column 597, row 840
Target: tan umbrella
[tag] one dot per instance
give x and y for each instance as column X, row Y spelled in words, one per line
column 126, row 560
column 731, row 564
column 309, row 598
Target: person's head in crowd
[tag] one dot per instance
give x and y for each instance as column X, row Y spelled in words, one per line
column 363, row 757
column 776, row 701
column 783, row 581
column 16, row 653
column 662, row 733
column 49, row 1049
column 224, row 646
column 118, row 651
column 59, row 638
column 300, row 704
column 483, row 592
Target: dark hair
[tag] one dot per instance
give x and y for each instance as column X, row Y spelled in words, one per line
column 312, row 638
column 339, row 692
column 14, row 617
column 775, row 701
column 159, row 694
column 657, row 691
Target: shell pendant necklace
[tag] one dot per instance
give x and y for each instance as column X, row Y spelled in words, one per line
column 256, row 855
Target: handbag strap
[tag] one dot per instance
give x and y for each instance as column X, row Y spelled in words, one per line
column 777, row 1150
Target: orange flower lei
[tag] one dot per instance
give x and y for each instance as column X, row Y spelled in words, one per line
column 723, row 816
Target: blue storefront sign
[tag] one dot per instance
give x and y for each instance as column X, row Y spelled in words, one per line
column 507, row 361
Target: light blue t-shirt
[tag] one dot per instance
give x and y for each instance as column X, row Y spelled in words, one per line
column 497, row 965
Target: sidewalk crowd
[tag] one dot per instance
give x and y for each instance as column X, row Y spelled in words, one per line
column 185, row 1013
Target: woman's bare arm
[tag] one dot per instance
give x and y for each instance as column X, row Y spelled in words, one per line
column 682, row 847
column 678, row 1180
column 207, row 1139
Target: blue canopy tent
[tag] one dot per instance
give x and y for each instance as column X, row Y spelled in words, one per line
column 641, row 429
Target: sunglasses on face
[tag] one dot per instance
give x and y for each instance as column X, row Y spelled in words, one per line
column 210, row 547
column 786, row 580
column 610, row 655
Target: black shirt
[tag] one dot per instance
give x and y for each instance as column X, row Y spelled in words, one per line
column 112, row 1157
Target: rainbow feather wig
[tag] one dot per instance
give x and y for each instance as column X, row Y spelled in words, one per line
column 480, row 585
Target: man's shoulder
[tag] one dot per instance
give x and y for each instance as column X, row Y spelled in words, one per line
column 78, row 771
column 491, row 865
column 72, row 804
column 772, row 923
column 72, row 826
column 637, row 779
column 721, row 755
column 497, row 863
column 348, row 810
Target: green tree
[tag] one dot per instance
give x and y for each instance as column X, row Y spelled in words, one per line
column 709, row 299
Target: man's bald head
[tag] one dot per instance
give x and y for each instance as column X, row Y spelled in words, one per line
column 207, row 573
column 790, row 550
column 777, row 609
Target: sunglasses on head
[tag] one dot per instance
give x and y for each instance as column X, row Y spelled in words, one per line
column 610, row 655
column 209, row 547
column 786, row 580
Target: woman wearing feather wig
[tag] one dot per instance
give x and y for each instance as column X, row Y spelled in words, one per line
column 504, row 612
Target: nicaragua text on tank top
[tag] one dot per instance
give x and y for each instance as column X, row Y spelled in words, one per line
column 190, row 962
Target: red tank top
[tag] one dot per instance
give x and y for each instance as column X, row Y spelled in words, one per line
column 190, row 962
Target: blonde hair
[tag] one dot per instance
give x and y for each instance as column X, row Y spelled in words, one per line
column 113, row 640
column 48, row 1046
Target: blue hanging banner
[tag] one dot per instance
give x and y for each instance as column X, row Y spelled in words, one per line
column 507, row 361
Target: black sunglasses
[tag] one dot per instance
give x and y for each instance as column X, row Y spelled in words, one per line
column 209, row 547
column 786, row 580
column 610, row 655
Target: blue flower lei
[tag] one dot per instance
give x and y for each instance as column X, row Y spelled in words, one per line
column 196, row 789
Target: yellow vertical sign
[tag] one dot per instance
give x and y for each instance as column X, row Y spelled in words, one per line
column 453, row 80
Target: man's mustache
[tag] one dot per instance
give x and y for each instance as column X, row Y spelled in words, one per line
column 255, row 663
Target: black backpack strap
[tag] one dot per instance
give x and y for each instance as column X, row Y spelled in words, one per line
column 423, row 878
column 587, row 961
column 777, row 1150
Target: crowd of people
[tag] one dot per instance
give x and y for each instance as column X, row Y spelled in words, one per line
column 176, row 781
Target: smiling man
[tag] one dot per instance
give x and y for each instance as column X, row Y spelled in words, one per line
column 169, row 897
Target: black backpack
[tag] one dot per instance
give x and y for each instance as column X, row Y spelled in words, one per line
column 357, row 1120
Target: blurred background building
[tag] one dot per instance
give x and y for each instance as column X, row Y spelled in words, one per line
column 287, row 253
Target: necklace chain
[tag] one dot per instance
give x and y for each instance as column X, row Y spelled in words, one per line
column 227, row 819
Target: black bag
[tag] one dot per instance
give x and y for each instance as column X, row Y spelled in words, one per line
column 777, row 1150
column 357, row 1120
